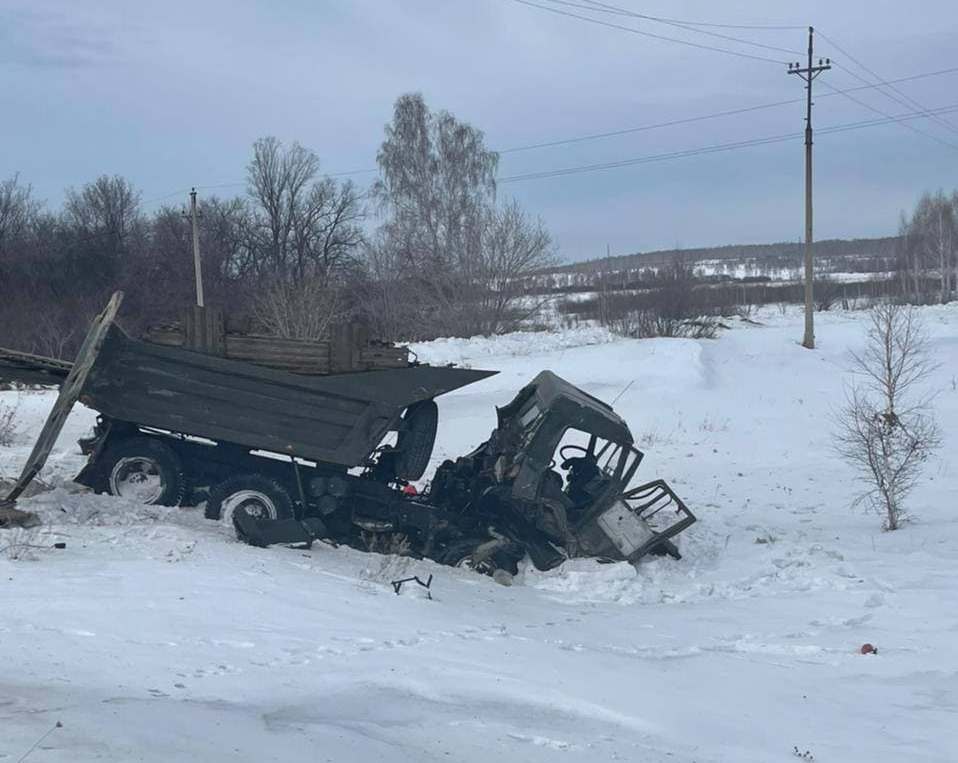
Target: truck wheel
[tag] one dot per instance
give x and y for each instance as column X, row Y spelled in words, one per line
column 143, row 469
column 255, row 494
column 417, row 435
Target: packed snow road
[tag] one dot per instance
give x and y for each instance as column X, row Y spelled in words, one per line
column 155, row 636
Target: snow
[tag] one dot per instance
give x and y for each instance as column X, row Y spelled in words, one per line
column 155, row 636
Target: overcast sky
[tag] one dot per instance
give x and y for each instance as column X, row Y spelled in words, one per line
column 171, row 94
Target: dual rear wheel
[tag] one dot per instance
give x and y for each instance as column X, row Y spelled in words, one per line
column 147, row 470
column 254, row 494
column 143, row 469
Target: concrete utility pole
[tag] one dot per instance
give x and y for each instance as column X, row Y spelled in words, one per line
column 196, row 250
column 808, row 74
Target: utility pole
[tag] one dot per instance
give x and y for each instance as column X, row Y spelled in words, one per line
column 196, row 250
column 808, row 74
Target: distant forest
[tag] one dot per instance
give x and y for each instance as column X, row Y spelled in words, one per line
column 881, row 249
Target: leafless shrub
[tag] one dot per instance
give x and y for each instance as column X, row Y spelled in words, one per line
column 391, row 562
column 827, row 292
column 669, row 306
column 302, row 309
column 8, row 424
column 21, row 544
column 389, row 544
column 644, row 324
column 886, row 430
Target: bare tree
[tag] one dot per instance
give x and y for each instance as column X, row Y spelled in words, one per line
column 940, row 237
column 387, row 294
column 514, row 248
column 436, row 187
column 469, row 258
column 929, row 245
column 886, row 431
column 304, row 223
column 437, row 181
column 110, row 203
column 17, row 212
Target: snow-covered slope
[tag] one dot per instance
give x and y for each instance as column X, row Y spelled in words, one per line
column 155, row 636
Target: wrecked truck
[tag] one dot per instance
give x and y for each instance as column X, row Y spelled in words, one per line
column 287, row 457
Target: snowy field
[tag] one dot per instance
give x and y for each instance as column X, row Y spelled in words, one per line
column 154, row 636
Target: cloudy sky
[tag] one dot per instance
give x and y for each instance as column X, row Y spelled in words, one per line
column 171, row 94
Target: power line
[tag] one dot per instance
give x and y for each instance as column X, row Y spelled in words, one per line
column 908, row 126
column 714, row 115
column 626, row 130
column 633, row 30
column 644, row 128
column 904, row 100
column 722, row 146
column 648, row 159
column 757, row 27
column 879, row 85
column 169, row 195
column 597, row 7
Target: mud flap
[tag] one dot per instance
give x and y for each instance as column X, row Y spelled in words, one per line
column 266, row 532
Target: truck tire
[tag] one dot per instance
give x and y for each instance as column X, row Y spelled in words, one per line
column 417, row 435
column 144, row 469
column 258, row 495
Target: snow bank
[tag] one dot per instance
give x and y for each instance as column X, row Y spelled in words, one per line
column 515, row 344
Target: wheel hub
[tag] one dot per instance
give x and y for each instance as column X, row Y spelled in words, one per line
column 138, row 478
column 251, row 502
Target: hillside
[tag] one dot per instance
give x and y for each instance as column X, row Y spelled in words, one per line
column 864, row 254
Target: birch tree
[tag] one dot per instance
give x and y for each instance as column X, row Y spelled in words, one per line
column 886, row 430
column 443, row 227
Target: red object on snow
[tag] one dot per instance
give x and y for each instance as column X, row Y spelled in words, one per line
column 410, row 490
column 869, row 649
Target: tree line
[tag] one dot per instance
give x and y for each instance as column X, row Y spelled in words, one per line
column 928, row 249
column 429, row 250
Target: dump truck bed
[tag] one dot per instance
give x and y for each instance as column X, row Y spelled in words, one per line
column 338, row 419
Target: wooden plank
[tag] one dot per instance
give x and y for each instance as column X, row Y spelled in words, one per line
column 289, row 354
column 15, row 357
column 69, row 393
column 340, row 349
column 204, row 330
column 348, row 349
column 169, row 337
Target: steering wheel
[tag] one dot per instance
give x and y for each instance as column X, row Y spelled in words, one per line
column 573, row 448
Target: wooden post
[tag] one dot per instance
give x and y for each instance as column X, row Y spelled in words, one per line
column 197, row 265
column 69, row 393
column 203, row 330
